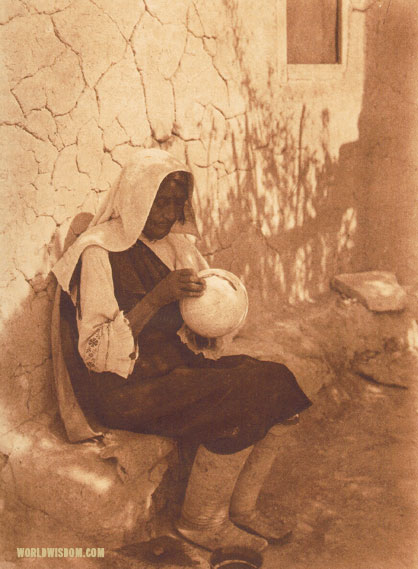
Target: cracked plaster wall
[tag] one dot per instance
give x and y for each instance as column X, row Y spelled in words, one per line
column 84, row 82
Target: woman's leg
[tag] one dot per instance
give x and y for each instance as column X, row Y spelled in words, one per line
column 205, row 514
column 243, row 509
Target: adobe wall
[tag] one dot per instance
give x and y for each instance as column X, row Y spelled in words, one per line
column 389, row 138
column 85, row 82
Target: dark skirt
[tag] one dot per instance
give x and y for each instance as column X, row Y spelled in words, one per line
column 226, row 404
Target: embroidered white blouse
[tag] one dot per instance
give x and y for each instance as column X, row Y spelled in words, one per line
column 106, row 342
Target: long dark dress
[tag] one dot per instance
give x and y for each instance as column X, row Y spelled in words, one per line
column 226, row 404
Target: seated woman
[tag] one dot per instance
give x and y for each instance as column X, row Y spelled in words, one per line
column 136, row 264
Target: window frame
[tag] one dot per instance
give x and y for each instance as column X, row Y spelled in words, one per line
column 313, row 71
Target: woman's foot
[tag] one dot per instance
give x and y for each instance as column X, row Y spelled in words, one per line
column 274, row 531
column 225, row 535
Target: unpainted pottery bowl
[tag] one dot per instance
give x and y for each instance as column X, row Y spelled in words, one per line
column 221, row 309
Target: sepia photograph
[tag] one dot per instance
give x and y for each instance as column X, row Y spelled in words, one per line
column 209, row 284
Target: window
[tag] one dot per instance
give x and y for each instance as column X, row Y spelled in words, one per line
column 313, row 38
column 312, row 31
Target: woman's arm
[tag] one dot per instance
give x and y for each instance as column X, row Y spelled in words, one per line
column 142, row 312
column 105, row 340
column 106, row 334
column 176, row 285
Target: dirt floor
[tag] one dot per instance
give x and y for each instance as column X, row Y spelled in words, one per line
column 352, row 481
column 349, row 476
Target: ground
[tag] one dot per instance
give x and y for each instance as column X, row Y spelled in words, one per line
column 348, row 473
column 352, row 482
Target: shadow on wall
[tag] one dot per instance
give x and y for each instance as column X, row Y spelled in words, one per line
column 388, row 130
column 282, row 212
column 26, row 388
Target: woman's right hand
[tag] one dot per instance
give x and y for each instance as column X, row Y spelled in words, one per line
column 178, row 284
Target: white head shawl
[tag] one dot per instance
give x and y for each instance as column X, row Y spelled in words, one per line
column 123, row 213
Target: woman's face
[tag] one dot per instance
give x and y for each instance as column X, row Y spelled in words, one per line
column 168, row 207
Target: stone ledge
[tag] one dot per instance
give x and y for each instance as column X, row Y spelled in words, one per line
column 83, row 493
column 379, row 291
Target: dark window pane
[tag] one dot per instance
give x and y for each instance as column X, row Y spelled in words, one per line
column 312, row 31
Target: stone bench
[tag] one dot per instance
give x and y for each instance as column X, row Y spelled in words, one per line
column 61, row 494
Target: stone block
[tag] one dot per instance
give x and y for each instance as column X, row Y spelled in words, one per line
column 42, row 199
column 41, row 396
column 91, row 203
column 28, row 327
column 82, row 492
column 346, row 329
column 379, row 291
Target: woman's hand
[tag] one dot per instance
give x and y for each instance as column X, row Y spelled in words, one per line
column 177, row 285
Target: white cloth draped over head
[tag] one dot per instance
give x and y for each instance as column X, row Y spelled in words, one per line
column 123, row 213
column 116, row 227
